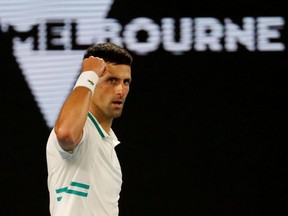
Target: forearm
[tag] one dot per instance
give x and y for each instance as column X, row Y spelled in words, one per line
column 72, row 117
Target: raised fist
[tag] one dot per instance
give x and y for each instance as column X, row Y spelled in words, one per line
column 95, row 64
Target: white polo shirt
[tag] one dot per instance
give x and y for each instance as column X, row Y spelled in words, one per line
column 88, row 181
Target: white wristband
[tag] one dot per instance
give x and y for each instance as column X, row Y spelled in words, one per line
column 87, row 79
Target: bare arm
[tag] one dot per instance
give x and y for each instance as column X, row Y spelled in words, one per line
column 72, row 117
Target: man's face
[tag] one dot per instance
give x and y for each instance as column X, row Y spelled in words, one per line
column 111, row 91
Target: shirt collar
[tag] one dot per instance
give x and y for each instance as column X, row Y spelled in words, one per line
column 97, row 125
column 102, row 132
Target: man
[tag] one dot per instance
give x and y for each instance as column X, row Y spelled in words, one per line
column 84, row 174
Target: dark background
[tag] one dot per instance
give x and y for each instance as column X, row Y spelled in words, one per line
column 202, row 133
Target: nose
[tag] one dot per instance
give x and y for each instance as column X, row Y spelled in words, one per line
column 120, row 89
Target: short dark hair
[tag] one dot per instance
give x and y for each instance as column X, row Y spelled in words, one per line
column 109, row 52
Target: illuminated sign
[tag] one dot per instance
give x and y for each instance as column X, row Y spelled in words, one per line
column 49, row 39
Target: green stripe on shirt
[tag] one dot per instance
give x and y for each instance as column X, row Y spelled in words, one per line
column 96, row 125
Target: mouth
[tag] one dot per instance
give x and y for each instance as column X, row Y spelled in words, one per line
column 117, row 104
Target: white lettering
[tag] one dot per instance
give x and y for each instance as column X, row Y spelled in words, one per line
column 142, row 24
column 185, row 38
column 268, row 28
column 235, row 35
column 110, row 30
column 208, row 34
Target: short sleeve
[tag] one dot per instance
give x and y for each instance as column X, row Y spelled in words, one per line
column 65, row 154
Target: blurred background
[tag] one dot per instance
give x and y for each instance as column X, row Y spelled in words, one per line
column 204, row 128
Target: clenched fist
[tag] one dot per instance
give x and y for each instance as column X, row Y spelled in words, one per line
column 94, row 64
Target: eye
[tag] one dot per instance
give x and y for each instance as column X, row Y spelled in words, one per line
column 112, row 80
column 127, row 82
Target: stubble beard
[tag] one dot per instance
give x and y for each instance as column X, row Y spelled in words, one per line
column 117, row 114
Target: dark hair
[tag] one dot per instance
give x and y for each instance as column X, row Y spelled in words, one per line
column 110, row 52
